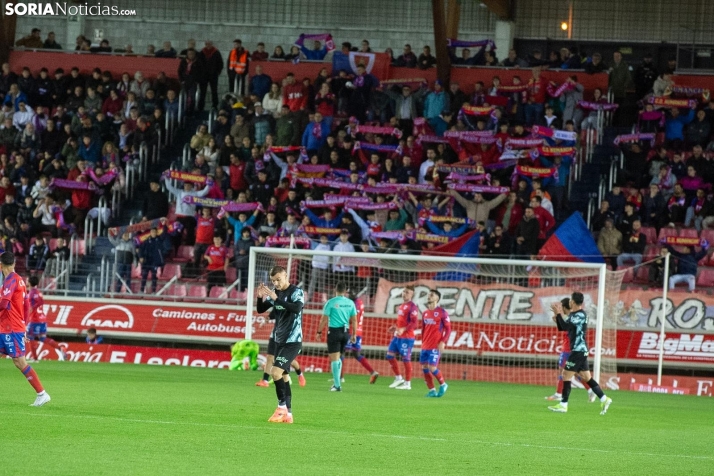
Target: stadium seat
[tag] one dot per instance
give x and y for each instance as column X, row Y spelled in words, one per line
column 216, row 291
column 185, row 254
column 706, row 278
column 708, row 234
column 642, row 274
column 629, row 276
column 136, row 271
column 688, row 233
column 665, row 232
column 231, row 274
column 80, row 248
column 197, row 292
column 176, row 290
column 650, row 233
column 651, row 252
column 169, row 271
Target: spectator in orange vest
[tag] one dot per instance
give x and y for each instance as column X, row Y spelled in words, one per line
column 238, row 68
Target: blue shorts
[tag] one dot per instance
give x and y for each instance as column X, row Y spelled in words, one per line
column 429, row 357
column 356, row 347
column 402, row 347
column 13, row 344
column 562, row 359
column 36, row 329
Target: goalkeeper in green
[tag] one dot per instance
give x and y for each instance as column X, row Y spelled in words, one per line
column 242, row 349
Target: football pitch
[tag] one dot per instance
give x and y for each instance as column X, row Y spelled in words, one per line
column 132, row 420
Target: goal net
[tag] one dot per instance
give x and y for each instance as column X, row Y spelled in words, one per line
column 502, row 327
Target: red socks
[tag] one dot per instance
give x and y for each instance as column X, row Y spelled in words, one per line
column 52, row 343
column 33, row 379
column 407, row 371
column 438, row 376
column 395, row 367
column 33, row 349
column 429, row 379
column 363, row 360
column 559, row 389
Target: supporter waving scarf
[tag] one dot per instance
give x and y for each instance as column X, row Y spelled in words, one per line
column 371, row 206
column 172, row 229
column 554, row 134
column 597, row 106
column 547, row 151
column 476, row 110
column 205, row 202
column 283, row 241
column 325, row 38
column 454, row 43
column 690, row 92
column 444, row 219
column 471, row 188
column 74, row 185
column 669, row 102
column 634, row 138
column 327, row 203
column 345, row 198
column 377, row 148
column 104, row 179
column 536, row 172
column 527, row 143
column 557, row 92
column 137, row 227
column 378, row 130
column 317, row 230
column 428, row 237
column 186, row 176
column 432, row 139
column 456, row 177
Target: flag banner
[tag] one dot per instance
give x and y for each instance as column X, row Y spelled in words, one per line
column 634, row 138
column 572, row 241
column 137, row 227
column 377, row 64
column 454, row 43
column 554, row 134
column 378, row 130
column 323, row 37
column 597, row 106
column 555, row 92
column 535, row 172
column 670, row 102
column 471, row 188
column 526, row 143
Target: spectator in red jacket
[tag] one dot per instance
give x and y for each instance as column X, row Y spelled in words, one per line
column 510, row 213
column 545, row 219
column 294, row 94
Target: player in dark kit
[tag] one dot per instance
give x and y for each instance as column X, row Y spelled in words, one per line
column 576, row 325
column 287, row 302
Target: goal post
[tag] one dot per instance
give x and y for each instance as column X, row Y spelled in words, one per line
column 500, row 308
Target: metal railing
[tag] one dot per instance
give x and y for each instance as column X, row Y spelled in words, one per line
column 129, row 183
column 143, row 160
column 212, row 115
column 186, row 157
column 181, row 107
column 591, row 209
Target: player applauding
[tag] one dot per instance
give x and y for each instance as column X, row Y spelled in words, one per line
column 435, row 330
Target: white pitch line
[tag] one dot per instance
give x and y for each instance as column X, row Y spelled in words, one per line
column 219, row 425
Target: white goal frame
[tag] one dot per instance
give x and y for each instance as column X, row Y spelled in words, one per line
column 289, row 253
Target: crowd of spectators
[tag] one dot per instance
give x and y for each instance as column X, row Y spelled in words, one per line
column 344, row 161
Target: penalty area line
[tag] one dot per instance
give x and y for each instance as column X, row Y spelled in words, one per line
column 217, row 425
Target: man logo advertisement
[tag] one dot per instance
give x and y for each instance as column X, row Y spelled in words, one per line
column 64, row 9
column 109, row 317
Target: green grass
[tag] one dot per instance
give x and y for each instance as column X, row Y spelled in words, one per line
column 127, row 419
